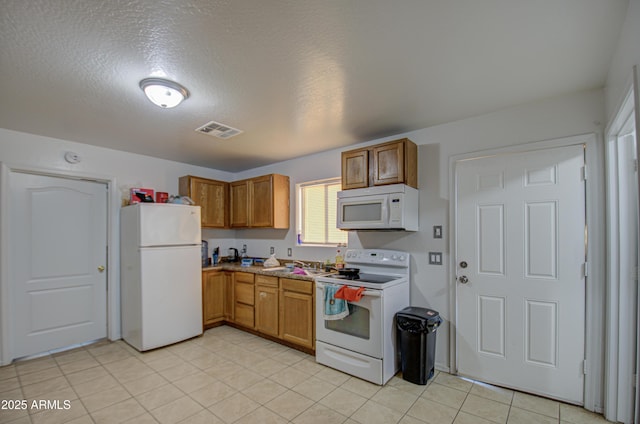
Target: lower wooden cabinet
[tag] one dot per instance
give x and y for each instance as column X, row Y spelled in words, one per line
column 229, row 299
column 244, row 299
column 266, row 307
column 297, row 324
column 213, row 297
column 281, row 308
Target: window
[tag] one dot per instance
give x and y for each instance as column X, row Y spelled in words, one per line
column 317, row 205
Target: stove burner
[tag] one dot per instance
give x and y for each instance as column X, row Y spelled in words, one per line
column 351, row 277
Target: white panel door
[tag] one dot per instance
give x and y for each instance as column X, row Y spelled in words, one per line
column 58, row 238
column 520, row 253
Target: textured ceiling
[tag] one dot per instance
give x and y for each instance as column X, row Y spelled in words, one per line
column 297, row 76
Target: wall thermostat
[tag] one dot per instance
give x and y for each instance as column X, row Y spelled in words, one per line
column 72, row 157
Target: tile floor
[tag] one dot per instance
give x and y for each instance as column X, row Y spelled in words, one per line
column 229, row 376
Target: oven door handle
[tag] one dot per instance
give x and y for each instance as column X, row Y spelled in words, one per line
column 372, row 293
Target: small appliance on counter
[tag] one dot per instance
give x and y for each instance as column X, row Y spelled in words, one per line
column 205, row 253
column 232, row 255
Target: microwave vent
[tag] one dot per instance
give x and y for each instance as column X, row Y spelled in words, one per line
column 219, row 130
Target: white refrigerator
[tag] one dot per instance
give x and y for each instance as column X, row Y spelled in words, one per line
column 160, row 274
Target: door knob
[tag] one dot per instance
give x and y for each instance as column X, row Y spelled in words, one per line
column 463, row 279
column 463, row 264
column 101, row 268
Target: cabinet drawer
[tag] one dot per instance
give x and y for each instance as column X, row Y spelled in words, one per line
column 265, row 280
column 244, row 293
column 244, row 277
column 244, row 315
column 299, row 286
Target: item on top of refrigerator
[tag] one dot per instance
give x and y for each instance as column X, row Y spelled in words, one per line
column 162, row 197
column 181, row 200
column 271, row 262
column 139, row 195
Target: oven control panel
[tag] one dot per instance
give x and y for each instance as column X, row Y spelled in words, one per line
column 378, row 257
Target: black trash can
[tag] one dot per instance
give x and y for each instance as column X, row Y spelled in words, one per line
column 417, row 342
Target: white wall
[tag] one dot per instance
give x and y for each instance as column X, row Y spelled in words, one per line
column 131, row 170
column 626, row 55
column 575, row 114
column 28, row 151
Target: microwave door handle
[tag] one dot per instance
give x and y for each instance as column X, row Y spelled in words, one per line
column 385, row 209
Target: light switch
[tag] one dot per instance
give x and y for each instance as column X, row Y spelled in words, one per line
column 289, row 252
column 437, row 231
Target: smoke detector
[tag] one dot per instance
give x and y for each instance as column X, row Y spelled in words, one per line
column 219, row 130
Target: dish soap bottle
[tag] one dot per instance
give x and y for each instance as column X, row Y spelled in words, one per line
column 339, row 257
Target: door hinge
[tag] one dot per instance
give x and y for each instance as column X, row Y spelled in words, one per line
column 585, row 269
column 584, row 173
column 635, row 165
column 585, row 367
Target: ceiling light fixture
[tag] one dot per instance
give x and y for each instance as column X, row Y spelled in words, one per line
column 164, row 93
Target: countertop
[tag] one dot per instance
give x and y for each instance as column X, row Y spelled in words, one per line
column 227, row 266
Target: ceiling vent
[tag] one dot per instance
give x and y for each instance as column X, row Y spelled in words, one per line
column 219, row 130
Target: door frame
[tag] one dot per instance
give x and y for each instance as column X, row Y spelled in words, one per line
column 595, row 280
column 113, row 250
column 628, row 108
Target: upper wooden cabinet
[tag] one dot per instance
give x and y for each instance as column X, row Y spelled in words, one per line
column 239, row 203
column 261, row 202
column 395, row 162
column 355, row 169
column 212, row 196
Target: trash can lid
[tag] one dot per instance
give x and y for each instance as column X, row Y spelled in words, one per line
column 418, row 312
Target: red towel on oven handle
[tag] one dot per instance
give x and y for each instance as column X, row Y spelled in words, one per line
column 349, row 294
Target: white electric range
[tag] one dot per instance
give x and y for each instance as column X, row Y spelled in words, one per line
column 363, row 344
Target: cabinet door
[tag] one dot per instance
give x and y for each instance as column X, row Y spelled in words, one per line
column 261, row 201
column 213, row 296
column 355, row 169
column 267, row 310
column 296, row 311
column 239, row 203
column 243, row 293
column 212, row 197
column 388, row 163
column 229, row 299
column 243, row 315
column 214, row 203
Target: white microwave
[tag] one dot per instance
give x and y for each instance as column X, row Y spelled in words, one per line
column 390, row 207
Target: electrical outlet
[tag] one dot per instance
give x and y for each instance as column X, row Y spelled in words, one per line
column 289, row 252
column 272, row 250
column 435, row 258
column 437, row 231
